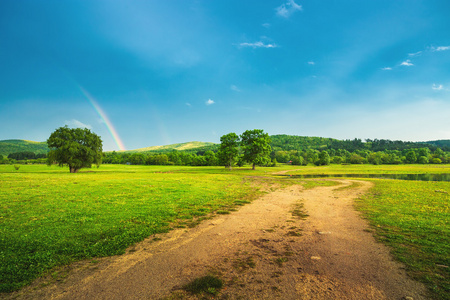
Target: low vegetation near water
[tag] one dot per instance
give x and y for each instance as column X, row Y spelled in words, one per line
column 49, row 217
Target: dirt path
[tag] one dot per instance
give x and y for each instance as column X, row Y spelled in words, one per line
column 262, row 251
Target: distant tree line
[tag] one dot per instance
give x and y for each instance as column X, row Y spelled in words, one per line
column 253, row 147
column 296, row 157
column 27, row 157
column 257, row 148
column 341, row 156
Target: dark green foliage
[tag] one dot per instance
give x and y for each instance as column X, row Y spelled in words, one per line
column 229, row 149
column 443, row 144
column 78, row 148
column 296, row 150
column 207, row 284
column 256, row 147
column 324, row 158
column 293, row 142
column 25, row 155
column 13, row 146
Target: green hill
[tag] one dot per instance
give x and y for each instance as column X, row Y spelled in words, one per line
column 180, row 147
column 12, row 146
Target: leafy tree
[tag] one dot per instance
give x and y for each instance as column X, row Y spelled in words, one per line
column 422, row 160
column 256, row 147
column 356, row 159
column 297, row 160
column 78, row 148
column 324, row 159
column 228, row 150
column 411, row 157
column 210, row 157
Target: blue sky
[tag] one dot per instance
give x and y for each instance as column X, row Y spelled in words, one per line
column 146, row 73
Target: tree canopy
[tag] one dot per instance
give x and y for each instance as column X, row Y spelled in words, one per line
column 77, row 148
column 229, row 149
column 256, row 147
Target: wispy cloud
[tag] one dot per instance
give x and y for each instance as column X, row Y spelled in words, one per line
column 257, row 45
column 188, row 104
column 407, row 63
column 209, row 102
column 415, row 54
column 285, row 10
column 311, row 63
column 440, row 48
column 386, row 68
column 235, row 88
column 436, row 87
column 266, row 25
column 77, row 124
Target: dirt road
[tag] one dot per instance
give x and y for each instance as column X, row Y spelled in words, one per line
column 265, row 250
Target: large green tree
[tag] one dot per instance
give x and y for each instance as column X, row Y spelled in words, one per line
column 228, row 150
column 74, row 147
column 256, row 147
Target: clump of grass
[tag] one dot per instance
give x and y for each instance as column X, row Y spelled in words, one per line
column 294, row 233
column 206, row 284
column 299, row 211
column 244, row 264
column 241, row 202
column 280, row 260
column 223, row 212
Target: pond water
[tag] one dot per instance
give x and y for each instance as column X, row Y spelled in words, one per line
column 421, row 177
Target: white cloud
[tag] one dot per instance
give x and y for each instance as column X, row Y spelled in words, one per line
column 440, row 48
column 407, row 63
column 415, row 54
column 258, row 45
column 386, row 68
column 234, row 88
column 287, row 9
column 188, row 104
column 311, row 63
column 77, row 124
column 266, row 25
column 210, row 102
column 436, row 87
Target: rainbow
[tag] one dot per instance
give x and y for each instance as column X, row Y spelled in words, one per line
column 104, row 118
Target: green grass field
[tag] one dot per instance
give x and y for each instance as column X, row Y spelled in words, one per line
column 413, row 218
column 49, row 217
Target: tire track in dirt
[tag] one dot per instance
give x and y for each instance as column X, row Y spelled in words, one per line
column 261, row 251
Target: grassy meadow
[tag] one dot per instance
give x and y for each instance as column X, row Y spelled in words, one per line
column 413, row 218
column 49, row 217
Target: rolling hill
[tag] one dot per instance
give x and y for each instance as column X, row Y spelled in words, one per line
column 13, row 146
column 180, row 147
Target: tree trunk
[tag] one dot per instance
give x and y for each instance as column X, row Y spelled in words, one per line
column 73, row 170
column 254, row 167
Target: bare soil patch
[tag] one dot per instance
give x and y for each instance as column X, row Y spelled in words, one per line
column 266, row 250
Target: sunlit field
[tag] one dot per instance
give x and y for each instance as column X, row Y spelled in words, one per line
column 413, row 218
column 50, row 217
